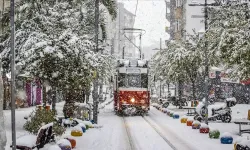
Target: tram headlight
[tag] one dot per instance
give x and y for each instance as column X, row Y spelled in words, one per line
column 132, row 100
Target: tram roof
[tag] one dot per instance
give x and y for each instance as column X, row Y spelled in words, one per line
column 132, row 63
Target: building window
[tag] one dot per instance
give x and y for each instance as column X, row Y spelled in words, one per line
column 178, row 25
column 178, row 3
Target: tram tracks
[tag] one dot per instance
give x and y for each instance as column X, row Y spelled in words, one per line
column 130, row 141
column 159, row 133
column 133, row 142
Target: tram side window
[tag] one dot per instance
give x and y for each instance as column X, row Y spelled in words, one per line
column 122, row 80
column 144, row 80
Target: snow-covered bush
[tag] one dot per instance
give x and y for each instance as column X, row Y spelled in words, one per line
column 40, row 117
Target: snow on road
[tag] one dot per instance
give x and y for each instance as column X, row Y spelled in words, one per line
column 144, row 137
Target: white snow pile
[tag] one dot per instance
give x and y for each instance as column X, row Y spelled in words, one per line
column 213, row 130
column 226, row 135
column 203, row 125
column 231, row 99
column 27, row 140
column 141, row 63
column 245, row 142
column 77, row 128
column 67, row 121
column 175, row 113
column 164, row 109
column 196, row 122
column 82, row 125
column 47, row 125
column 63, row 142
column 184, row 116
column 54, row 147
column 190, row 119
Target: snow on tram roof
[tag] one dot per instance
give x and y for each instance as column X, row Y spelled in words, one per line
column 132, row 63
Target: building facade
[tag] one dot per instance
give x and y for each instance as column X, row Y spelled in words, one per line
column 176, row 15
column 121, row 45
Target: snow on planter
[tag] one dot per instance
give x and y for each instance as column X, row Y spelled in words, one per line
column 196, row 124
column 244, row 144
column 204, row 128
column 214, row 134
column 27, row 140
column 176, row 116
column 226, row 138
column 64, row 144
column 72, row 142
column 54, row 147
column 83, row 126
column 76, row 131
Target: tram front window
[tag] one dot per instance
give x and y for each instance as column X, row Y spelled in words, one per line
column 134, row 80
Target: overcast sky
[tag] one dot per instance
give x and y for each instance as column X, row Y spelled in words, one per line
column 150, row 16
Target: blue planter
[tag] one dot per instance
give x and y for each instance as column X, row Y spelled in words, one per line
column 176, row 116
column 83, row 129
column 226, row 140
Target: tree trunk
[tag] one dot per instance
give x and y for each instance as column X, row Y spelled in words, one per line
column 53, row 98
column 3, row 139
column 44, row 95
column 193, row 89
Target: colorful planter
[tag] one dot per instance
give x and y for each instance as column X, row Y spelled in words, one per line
column 168, row 113
column 204, row 130
column 72, row 142
column 226, row 140
column 214, row 134
column 171, row 114
column 196, row 125
column 189, row 122
column 184, row 120
column 76, row 133
column 176, row 116
column 64, row 144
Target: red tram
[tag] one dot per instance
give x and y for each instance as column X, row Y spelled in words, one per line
column 131, row 92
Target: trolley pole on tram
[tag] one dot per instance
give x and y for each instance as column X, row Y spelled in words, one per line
column 12, row 46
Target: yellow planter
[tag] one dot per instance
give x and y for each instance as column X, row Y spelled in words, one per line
column 76, row 133
column 183, row 120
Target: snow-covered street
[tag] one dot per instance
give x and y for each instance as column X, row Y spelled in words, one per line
column 156, row 131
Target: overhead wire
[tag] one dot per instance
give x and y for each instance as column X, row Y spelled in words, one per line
column 136, row 7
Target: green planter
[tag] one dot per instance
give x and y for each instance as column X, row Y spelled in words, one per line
column 171, row 114
column 214, row 134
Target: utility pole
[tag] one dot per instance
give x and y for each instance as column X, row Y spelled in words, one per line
column 95, row 83
column 206, row 92
column 12, row 45
column 160, row 79
column 206, row 64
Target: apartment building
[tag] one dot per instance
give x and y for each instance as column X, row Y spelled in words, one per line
column 176, row 15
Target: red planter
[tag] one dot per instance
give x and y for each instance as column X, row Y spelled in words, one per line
column 204, row 130
column 189, row 123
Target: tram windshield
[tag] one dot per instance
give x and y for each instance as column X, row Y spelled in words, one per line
column 133, row 80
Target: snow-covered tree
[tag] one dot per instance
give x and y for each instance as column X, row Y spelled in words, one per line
column 229, row 33
column 54, row 42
